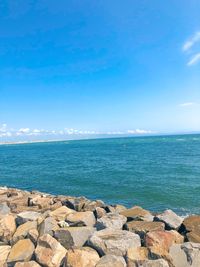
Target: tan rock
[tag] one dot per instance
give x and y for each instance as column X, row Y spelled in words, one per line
column 155, row 263
column 111, row 261
column 192, row 228
column 22, row 251
column 170, row 218
column 136, row 255
column 111, row 220
column 26, row 216
column 143, row 227
column 137, row 213
column 27, row 264
column 99, row 212
column 23, row 230
column 49, row 252
column 159, row 242
column 61, row 213
column 4, row 251
column 82, row 257
column 48, row 226
column 86, row 218
column 7, row 228
column 112, row 241
column 33, row 235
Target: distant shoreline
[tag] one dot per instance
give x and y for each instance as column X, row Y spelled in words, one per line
column 89, row 138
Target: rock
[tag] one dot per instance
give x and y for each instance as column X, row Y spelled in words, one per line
column 92, row 205
column 119, row 208
column 75, row 203
column 63, row 224
column 41, row 202
column 48, row 226
column 27, row 216
column 111, row 261
column 185, row 255
column 4, row 209
column 111, row 220
column 112, row 241
column 73, row 236
column 49, row 252
column 137, row 213
column 33, row 235
column 82, row 257
column 137, row 255
column 27, row 264
column 61, row 213
column 7, row 228
column 143, row 227
column 86, row 218
column 22, row 251
column 22, row 230
column 155, row 263
column 99, row 212
column 159, row 242
column 191, row 227
column 170, row 218
column 4, row 251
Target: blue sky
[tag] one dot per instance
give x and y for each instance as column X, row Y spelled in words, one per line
column 71, row 68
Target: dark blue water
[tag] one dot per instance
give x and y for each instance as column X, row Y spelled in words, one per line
column 154, row 172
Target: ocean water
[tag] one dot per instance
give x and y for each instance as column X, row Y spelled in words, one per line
column 153, row 172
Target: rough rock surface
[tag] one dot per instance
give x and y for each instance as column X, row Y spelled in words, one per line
column 7, row 228
column 49, row 252
column 22, row 251
column 111, row 261
column 23, row 230
column 111, row 241
column 27, row 216
column 27, row 264
column 73, row 236
column 81, row 257
column 4, row 209
column 111, row 220
column 4, row 251
column 47, row 226
column 137, row 213
column 191, row 227
column 170, row 218
column 61, row 213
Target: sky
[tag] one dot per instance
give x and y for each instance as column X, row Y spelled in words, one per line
column 87, row 68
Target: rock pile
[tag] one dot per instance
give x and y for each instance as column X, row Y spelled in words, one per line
column 38, row 229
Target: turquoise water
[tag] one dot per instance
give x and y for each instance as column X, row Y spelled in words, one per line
column 154, row 172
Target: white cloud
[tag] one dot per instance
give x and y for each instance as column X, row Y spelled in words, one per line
column 24, row 130
column 187, row 104
column 191, row 42
column 140, row 131
column 194, row 60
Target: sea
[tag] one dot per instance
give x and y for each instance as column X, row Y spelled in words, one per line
column 155, row 172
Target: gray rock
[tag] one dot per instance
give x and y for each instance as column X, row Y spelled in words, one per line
column 48, row 226
column 170, row 218
column 155, row 263
column 86, row 218
column 185, row 255
column 111, row 261
column 111, row 220
column 73, row 236
column 27, row 216
column 4, row 209
column 112, row 241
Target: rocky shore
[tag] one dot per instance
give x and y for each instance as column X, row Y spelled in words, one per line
column 38, row 229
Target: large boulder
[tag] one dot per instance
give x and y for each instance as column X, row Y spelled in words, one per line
column 136, row 255
column 23, row 230
column 111, row 261
column 47, row 226
column 191, row 227
column 81, row 257
column 22, row 251
column 33, row 235
column 27, row 264
column 49, row 252
column 111, row 220
column 143, row 227
column 170, row 218
column 4, row 209
column 4, row 251
column 86, row 218
column 26, row 216
column 112, row 241
column 159, row 242
column 99, row 212
column 137, row 213
column 185, row 255
column 61, row 213
column 73, row 236
column 7, row 228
